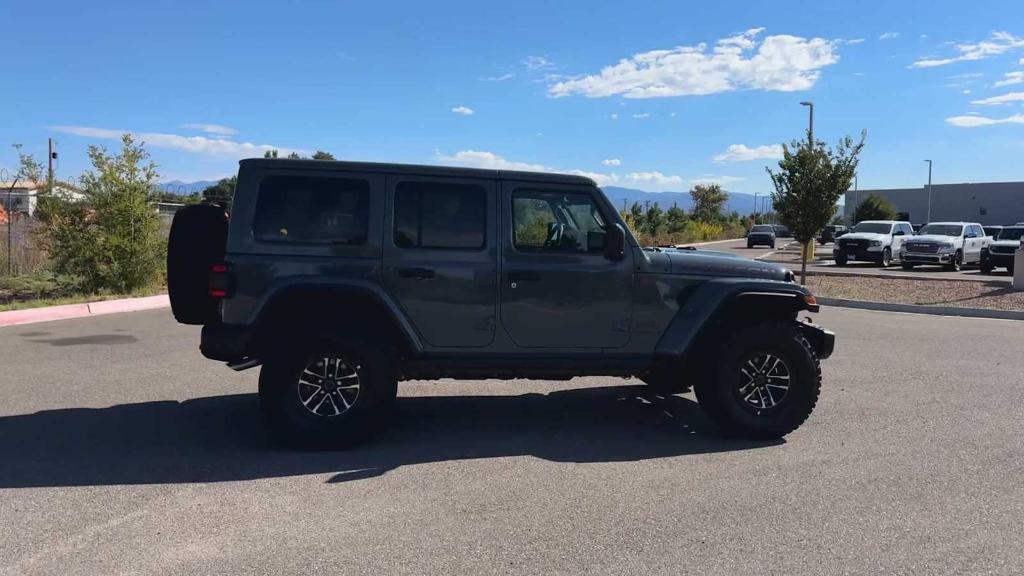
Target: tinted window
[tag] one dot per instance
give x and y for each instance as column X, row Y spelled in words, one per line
column 943, row 229
column 556, row 222
column 308, row 209
column 440, row 215
column 872, row 228
column 1011, row 234
column 762, row 228
column 907, row 229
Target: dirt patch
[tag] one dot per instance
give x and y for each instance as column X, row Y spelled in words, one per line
column 955, row 293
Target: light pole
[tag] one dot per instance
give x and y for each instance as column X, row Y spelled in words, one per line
column 929, row 190
column 810, row 123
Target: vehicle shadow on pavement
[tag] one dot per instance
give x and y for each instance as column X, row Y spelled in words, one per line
column 221, row 438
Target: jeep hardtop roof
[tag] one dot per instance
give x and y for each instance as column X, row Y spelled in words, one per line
column 415, row 169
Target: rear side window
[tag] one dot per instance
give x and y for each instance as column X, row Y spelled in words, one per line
column 440, row 215
column 309, row 209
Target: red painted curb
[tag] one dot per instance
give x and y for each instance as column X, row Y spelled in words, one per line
column 69, row 311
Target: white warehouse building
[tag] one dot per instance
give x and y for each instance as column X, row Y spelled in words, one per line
column 988, row 203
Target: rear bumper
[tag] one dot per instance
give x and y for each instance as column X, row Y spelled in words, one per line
column 225, row 342
column 823, row 341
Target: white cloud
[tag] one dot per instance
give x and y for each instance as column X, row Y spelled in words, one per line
column 613, row 116
column 501, row 78
column 642, row 115
column 611, row 162
column 463, row 110
column 217, row 129
column 855, row 41
column 1001, row 99
column 997, row 43
column 194, row 144
column 858, row 73
column 974, row 121
column 536, row 63
column 671, row 114
column 966, row 91
column 650, row 181
column 779, row 63
column 1010, row 79
column 889, row 36
column 741, row 153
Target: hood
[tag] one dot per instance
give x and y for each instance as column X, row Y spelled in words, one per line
column 1006, row 243
column 705, row 263
column 863, row 236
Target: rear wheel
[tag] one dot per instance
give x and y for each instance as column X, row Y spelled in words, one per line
column 764, row 383
column 327, row 394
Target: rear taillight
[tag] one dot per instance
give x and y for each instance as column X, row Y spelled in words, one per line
column 220, row 281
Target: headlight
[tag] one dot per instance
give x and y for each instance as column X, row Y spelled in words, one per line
column 946, row 247
column 876, row 242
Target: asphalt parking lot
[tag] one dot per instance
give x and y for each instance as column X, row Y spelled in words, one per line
column 125, row 452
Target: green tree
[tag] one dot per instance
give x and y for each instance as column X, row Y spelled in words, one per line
column 675, row 219
column 874, row 207
column 294, row 156
column 29, row 169
column 222, row 192
column 110, row 239
column 270, row 154
column 809, row 182
column 708, row 201
column 654, row 221
column 321, row 155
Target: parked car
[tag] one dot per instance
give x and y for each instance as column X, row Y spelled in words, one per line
column 950, row 244
column 1000, row 253
column 872, row 241
column 782, row 231
column 993, row 231
column 342, row 278
column 761, row 235
column 830, row 233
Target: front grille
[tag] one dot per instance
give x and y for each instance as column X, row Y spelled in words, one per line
column 922, row 247
column 1002, row 249
column 853, row 244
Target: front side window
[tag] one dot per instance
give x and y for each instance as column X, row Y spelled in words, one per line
column 546, row 221
column 440, row 215
column 312, row 209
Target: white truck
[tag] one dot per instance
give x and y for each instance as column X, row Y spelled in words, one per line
column 872, row 241
column 949, row 244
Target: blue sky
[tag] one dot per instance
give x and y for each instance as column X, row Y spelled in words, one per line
column 651, row 95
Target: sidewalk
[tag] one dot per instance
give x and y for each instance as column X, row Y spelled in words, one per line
column 68, row 311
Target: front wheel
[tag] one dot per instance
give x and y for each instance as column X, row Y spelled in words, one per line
column 957, row 262
column 986, row 268
column 327, row 395
column 840, row 259
column 886, row 257
column 764, row 383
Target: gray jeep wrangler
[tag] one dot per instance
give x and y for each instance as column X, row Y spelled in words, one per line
column 342, row 278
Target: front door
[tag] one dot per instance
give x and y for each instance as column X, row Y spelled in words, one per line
column 440, row 257
column 558, row 290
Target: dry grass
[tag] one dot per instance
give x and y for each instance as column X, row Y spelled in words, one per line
column 955, row 293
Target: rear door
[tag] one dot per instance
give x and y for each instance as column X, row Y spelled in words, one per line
column 440, row 257
column 558, row 290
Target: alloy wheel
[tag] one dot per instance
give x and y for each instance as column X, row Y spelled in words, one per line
column 329, row 386
column 763, row 383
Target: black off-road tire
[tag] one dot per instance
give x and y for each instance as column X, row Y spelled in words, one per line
column 840, row 259
column 986, row 268
column 292, row 422
column 718, row 392
column 749, row 245
column 197, row 240
column 957, row 263
column 907, row 266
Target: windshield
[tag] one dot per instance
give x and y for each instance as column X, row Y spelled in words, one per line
column 762, row 228
column 872, row 228
column 942, row 229
column 1011, row 234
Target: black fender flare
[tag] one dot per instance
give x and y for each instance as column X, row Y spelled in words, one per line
column 706, row 301
column 286, row 288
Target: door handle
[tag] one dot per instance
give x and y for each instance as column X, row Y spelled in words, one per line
column 421, row 273
column 526, row 276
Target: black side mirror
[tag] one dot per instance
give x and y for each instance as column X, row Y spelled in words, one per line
column 615, row 243
column 899, row 233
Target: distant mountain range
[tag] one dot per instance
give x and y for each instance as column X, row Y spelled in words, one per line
column 619, row 196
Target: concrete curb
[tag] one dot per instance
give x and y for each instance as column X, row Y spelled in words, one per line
column 918, row 309
column 902, row 276
column 69, row 311
column 712, row 242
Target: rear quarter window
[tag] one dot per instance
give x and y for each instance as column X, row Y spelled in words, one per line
column 312, row 209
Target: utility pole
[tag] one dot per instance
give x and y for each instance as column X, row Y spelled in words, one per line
column 810, row 123
column 929, row 190
column 10, row 219
column 50, row 156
